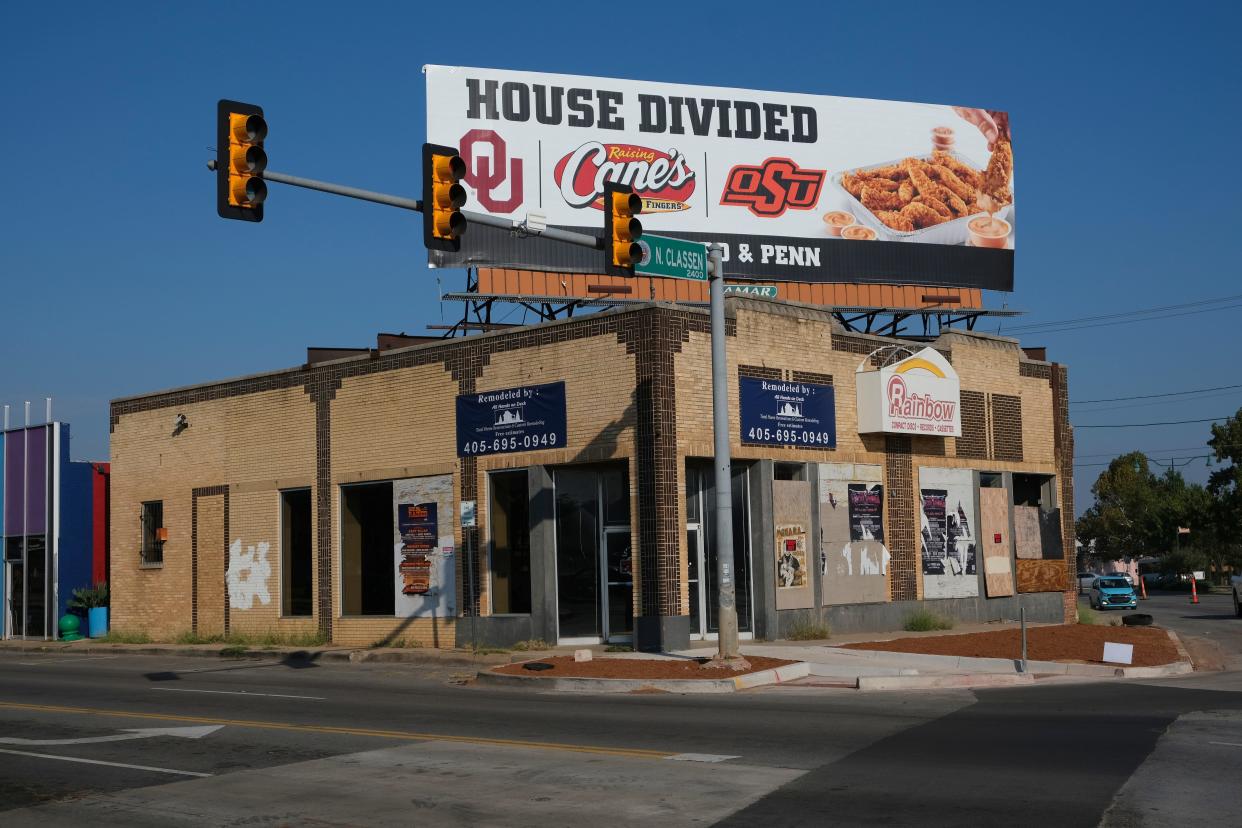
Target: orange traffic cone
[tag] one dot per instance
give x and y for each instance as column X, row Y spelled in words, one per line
column 1194, row 591
column 1142, row 588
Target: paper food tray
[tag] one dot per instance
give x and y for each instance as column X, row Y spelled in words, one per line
column 950, row 232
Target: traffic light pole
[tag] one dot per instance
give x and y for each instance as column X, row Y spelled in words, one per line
column 554, row 233
column 728, row 652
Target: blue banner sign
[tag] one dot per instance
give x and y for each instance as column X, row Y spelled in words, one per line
column 528, row 418
column 778, row 413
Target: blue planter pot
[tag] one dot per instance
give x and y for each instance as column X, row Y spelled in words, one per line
column 97, row 621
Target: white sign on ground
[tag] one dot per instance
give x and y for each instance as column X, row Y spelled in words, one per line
column 1118, row 653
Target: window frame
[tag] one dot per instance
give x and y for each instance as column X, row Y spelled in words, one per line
column 280, row 506
column 150, row 547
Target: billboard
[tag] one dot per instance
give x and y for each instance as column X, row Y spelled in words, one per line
column 797, row 187
column 920, row 394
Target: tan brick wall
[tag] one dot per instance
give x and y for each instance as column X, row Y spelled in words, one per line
column 257, row 442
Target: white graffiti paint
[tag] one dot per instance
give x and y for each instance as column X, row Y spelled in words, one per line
column 247, row 575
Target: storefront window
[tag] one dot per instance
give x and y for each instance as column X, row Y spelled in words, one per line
column 509, row 524
column 701, row 541
column 295, row 552
column 368, row 570
column 594, row 556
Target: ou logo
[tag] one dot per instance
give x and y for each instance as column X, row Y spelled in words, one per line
column 487, row 171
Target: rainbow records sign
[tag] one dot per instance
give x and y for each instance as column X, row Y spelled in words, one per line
column 920, row 394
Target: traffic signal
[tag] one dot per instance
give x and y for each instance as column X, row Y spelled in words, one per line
column 240, row 161
column 621, row 230
column 443, row 198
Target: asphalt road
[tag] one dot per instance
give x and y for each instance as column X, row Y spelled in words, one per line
column 302, row 743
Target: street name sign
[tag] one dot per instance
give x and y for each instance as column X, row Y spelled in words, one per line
column 672, row 258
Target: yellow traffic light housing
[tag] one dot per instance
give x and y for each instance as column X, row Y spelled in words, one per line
column 443, row 198
column 240, row 161
column 621, row 230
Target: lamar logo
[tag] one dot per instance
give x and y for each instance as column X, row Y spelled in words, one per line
column 485, row 172
column 773, row 187
column 663, row 180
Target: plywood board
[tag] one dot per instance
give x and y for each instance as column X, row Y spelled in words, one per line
column 1041, row 576
column 791, row 518
column 853, row 560
column 994, row 526
column 1026, row 541
column 948, row 532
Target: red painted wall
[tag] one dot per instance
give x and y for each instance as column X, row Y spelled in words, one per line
column 99, row 522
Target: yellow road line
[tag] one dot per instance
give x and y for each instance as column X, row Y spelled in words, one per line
column 638, row 753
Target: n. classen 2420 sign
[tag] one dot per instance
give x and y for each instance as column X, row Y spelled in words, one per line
column 921, row 394
column 774, row 177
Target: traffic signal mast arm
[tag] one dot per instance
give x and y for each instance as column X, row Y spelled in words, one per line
column 554, row 233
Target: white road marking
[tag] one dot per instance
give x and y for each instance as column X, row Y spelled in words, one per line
column 238, row 693
column 701, row 757
column 196, row 732
column 1227, row 744
column 64, row 660
column 101, row 762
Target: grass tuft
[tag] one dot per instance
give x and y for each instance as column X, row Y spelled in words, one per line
column 619, row 648
column 531, row 644
column 400, row 643
column 122, row 637
column 925, row 621
column 808, row 631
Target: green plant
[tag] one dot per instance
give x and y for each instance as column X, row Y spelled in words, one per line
column 489, row 650
column 925, row 620
column 532, row 644
column 1086, row 615
column 808, row 631
column 233, row 651
column 405, row 643
column 619, row 648
column 119, row 637
column 90, row 597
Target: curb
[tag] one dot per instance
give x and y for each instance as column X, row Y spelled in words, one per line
column 341, row 655
column 958, row 681
column 1009, row 666
column 777, row 675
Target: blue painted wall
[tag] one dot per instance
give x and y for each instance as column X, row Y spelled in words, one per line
column 75, row 524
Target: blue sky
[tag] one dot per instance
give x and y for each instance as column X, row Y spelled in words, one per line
column 118, row 277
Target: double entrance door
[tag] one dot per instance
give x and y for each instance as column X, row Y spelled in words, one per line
column 594, row 556
column 701, row 550
column 28, row 599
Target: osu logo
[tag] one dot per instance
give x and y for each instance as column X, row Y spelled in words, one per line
column 776, row 185
column 487, row 171
column 663, row 180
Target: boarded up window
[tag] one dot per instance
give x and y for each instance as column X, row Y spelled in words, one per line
column 1006, row 427
column 973, row 442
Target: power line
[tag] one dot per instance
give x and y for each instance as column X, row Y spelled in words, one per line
column 1125, row 315
column 1149, row 452
column 1153, row 396
column 1145, row 425
column 1147, row 318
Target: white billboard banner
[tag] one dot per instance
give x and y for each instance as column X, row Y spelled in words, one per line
column 797, row 187
column 919, row 395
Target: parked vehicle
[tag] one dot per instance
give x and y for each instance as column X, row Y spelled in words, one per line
column 1113, row 592
column 1236, row 583
column 1086, row 580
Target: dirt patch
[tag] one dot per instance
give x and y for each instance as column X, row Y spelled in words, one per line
column 1070, row 642
column 637, row 668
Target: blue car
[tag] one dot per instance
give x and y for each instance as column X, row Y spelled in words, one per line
column 1113, row 592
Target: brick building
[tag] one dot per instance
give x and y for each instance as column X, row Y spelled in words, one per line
column 327, row 498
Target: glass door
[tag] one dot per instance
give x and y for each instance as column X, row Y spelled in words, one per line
column 701, row 549
column 594, row 558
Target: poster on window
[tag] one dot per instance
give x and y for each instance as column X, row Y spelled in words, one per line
column 423, row 548
column 853, row 560
column 416, row 523
column 791, row 556
column 948, row 533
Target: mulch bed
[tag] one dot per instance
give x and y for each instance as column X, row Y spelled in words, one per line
column 637, row 668
column 1070, row 642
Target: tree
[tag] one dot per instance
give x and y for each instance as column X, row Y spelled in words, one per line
column 1225, row 486
column 1123, row 521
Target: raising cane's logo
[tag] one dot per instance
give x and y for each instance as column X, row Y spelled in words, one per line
column 663, row 180
column 914, row 406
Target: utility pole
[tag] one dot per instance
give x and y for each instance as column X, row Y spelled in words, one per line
column 728, row 652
